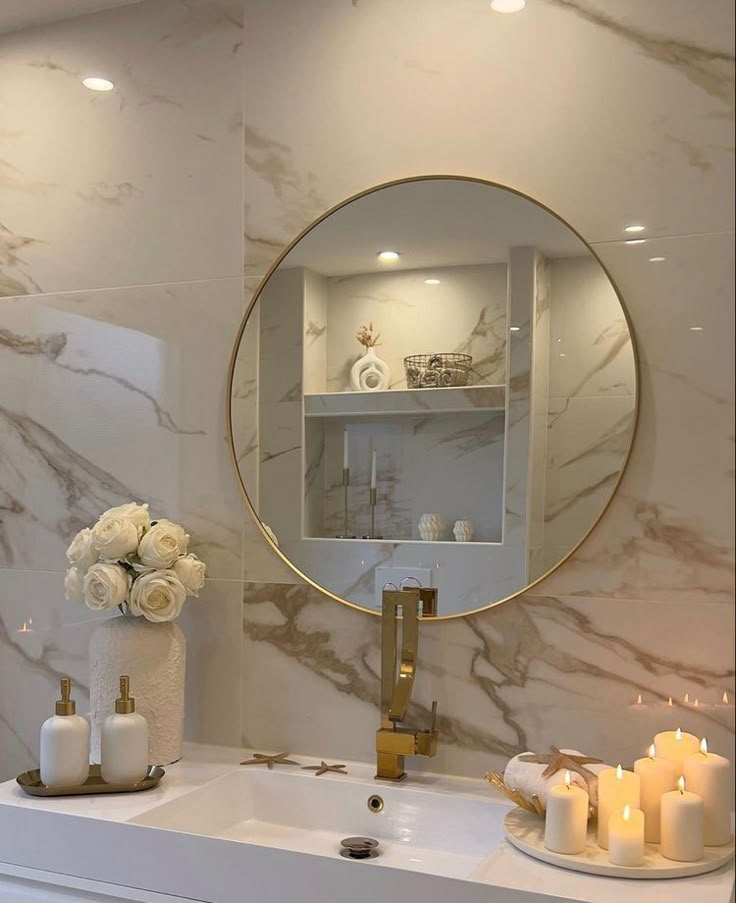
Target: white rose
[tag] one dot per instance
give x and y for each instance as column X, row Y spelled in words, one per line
column 115, row 537
column 74, row 585
column 190, row 570
column 136, row 514
column 157, row 596
column 162, row 545
column 82, row 553
column 105, row 586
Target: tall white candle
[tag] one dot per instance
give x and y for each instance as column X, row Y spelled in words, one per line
column 682, row 825
column 676, row 746
column 616, row 788
column 626, row 837
column 566, row 819
column 373, row 469
column 709, row 777
column 657, row 776
column 345, row 450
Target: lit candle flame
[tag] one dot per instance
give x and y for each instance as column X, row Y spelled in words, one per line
column 638, row 699
column 619, row 772
column 687, row 699
column 678, row 734
column 681, row 784
column 652, row 751
column 568, row 779
column 704, row 746
column 697, row 703
column 724, row 698
column 669, row 702
column 627, row 812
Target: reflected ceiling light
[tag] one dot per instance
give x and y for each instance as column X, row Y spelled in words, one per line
column 388, row 256
column 507, row 6
column 432, row 281
column 696, row 329
column 657, row 259
column 635, row 241
column 635, row 228
column 96, row 83
column 514, row 328
column 562, row 354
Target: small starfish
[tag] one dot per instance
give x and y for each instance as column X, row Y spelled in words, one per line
column 278, row 759
column 323, row 767
column 558, row 760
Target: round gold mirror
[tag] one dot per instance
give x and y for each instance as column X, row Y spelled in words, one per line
column 438, row 380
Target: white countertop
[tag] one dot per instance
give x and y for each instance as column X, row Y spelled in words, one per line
column 61, row 818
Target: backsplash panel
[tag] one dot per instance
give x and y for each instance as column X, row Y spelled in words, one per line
column 147, row 195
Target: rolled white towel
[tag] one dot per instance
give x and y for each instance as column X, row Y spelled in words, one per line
column 527, row 777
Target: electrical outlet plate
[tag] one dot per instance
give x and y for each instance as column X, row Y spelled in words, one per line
column 395, row 575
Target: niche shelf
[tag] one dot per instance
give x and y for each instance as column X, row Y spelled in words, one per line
column 458, row 400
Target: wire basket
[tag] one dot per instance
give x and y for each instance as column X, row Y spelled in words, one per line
column 439, row 370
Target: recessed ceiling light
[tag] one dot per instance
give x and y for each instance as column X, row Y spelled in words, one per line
column 696, row 329
column 635, row 241
column 514, row 328
column 657, row 259
column 388, row 256
column 507, row 6
column 95, row 83
column 562, row 354
column 432, row 281
column 635, row 228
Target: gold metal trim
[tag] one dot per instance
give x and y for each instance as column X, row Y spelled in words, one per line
column 254, row 300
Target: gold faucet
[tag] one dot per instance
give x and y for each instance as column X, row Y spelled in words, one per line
column 394, row 742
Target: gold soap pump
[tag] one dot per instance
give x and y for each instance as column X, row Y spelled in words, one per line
column 124, row 741
column 66, row 705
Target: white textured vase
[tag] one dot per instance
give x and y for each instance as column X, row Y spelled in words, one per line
column 463, row 530
column 431, row 527
column 154, row 656
column 369, row 373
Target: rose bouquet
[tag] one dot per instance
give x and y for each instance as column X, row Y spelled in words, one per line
column 140, row 565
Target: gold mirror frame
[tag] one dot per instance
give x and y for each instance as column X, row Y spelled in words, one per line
column 256, row 297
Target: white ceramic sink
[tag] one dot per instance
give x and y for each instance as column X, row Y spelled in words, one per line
column 418, row 829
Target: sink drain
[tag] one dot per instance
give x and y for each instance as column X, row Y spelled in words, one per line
column 359, row 848
column 375, row 803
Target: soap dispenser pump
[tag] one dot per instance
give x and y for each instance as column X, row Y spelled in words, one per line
column 65, row 743
column 124, row 741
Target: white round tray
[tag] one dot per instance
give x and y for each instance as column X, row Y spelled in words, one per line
column 526, row 832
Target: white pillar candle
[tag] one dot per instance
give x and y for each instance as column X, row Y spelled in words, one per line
column 626, row 837
column 709, row 777
column 676, row 746
column 657, row 776
column 345, row 450
column 373, row 470
column 616, row 788
column 682, row 825
column 566, row 819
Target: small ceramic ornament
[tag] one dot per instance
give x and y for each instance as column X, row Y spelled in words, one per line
column 463, row 530
column 369, row 373
column 431, row 527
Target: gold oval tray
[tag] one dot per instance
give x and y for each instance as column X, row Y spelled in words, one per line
column 30, row 782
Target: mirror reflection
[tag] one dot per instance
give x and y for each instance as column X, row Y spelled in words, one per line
column 438, row 381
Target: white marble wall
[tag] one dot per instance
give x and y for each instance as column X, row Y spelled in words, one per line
column 610, row 113
column 622, row 111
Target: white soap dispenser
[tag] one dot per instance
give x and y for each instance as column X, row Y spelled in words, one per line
column 65, row 743
column 124, row 741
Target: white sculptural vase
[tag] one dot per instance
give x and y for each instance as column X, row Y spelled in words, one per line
column 369, row 373
column 463, row 530
column 431, row 527
column 154, row 656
